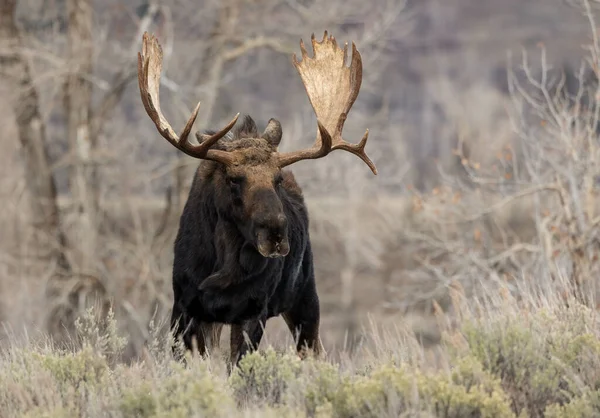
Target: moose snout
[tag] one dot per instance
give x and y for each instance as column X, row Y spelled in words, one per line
column 271, row 237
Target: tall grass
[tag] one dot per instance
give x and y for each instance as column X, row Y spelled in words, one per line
column 538, row 356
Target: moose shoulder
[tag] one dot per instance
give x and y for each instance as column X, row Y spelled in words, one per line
column 242, row 253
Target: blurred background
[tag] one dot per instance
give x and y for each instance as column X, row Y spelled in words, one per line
column 483, row 126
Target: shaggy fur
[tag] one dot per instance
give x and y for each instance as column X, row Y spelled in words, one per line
column 219, row 275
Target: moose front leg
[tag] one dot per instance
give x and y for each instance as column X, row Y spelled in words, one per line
column 244, row 338
column 180, row 328
column 303, row 322
column 306, row 334
column 201, row 336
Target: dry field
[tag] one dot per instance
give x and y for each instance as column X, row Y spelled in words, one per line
column 461, row 281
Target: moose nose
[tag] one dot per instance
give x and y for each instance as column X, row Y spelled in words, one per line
column 280, row 221
column 274, row 224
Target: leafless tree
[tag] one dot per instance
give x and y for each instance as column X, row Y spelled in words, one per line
column 32, row 137
column 85, row 63
column 77, row 96
column 528, row 217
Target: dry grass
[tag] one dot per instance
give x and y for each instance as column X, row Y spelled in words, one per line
column 500, row 357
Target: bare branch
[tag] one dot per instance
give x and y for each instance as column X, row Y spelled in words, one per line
column 122, row 78
column 254, row 43
column 32, row 136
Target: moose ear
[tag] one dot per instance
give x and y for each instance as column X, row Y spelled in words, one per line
column 272, row 133
column 247, row 129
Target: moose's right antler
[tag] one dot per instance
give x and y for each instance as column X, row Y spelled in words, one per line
column 149, row 68
column 332, row 89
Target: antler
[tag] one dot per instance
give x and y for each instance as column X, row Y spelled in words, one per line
column 332, row 89
column 149, row 68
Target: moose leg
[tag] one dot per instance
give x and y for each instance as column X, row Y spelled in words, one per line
column 196, row 335
column 306, row 335
column 203, row 337
column 211, row 334
column 303, row 322
column 180, row 328
column 245, row 337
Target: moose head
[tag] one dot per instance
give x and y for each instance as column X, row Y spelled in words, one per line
column 246, row 165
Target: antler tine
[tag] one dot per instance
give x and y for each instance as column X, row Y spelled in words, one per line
column 149, row 69
column 332, row 88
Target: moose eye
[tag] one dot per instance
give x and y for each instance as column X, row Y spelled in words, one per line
column 235, row 181
column 278, row 180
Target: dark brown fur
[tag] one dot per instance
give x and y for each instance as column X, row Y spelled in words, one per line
column 242, row 253
column 227, row 253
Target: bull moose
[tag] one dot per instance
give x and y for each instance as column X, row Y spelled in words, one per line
column 242, row 253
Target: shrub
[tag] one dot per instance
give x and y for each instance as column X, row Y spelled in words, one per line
column 542, row 360
column 82, row 370
column 318, row 386
column 61, row 382
column 585, row 406
column 390, row 391
column 139, row 401
column 264, row 377
column 470, row 391
column 185, row 392
column 542, row 363
column 271, row 378
column 43, row 412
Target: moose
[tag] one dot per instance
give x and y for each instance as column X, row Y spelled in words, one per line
column 242, row 253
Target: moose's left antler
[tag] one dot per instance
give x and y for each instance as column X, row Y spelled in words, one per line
column 332, row 88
